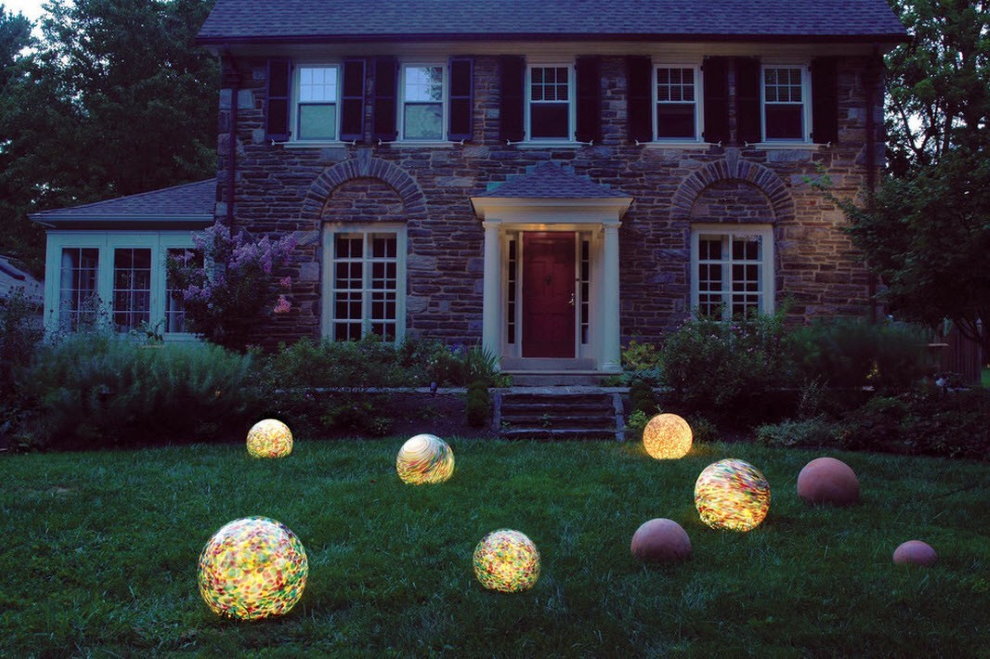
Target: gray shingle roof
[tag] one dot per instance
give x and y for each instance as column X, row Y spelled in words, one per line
column 234, row 21
column 188, row 203
column 548, row 181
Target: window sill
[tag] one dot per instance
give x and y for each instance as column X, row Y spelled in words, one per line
column 312, row 144
column 676, row 145
column 549, row 144
column 785, row 146
column 424, row 144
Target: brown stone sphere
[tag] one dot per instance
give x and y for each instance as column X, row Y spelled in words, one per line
column 827, row 480
column 915, row 552
column 660, row 541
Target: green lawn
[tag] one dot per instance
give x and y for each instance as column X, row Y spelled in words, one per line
column 100, row 549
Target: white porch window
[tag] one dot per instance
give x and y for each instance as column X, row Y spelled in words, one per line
column 365, row 281
column 732, row 271
column 78, row 300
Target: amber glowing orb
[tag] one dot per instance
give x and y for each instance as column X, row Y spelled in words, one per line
column 269, row 438
column 506, row 561
column 252, row 568
column 660, row 541
column 424, row 459
column 732, row 494
column 667, row 437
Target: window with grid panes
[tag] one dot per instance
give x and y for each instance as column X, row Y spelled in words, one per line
column 783, row 103
column 422, row 102
column 78, row 300
column 676, row 103
column 732, row 272
column 131, row 288
column 316, row 109
column 549, row 102
column 175, row 303
column 365, row 285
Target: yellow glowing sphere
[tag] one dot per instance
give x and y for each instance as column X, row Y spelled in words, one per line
column 667, row 437
column 252, row 568
column 425, row 459
column 269, row 438
column 732, row 494
column 507, row 561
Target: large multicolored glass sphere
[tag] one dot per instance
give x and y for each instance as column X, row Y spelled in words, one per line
column 252, row 568
column 667, row 437
column 507, row 561
column 732, row 494
column 269, row 438
column 425, row 459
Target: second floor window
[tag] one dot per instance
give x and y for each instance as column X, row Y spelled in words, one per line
column 422, row 102
column 784, row 103
column 317, row 107
column 549, row 102
column 676, row 103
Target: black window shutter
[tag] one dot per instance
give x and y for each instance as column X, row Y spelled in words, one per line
column 748, row 126
column 513, row 74
column 461, row 99
column 277, row 105
column 386, row 85
column 352, row 101
column 715, row 75
column 589, row 97
column 824, row 100
column 639, row 110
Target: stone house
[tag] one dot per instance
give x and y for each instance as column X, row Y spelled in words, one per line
column 548, row 179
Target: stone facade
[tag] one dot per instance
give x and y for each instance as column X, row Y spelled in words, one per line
column 289, row 188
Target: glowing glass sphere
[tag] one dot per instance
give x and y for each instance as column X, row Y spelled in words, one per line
column 732, row 494
column 252, row 568
column 269, row 438
column 425, row 459
column 667, row 437
column 507, row 561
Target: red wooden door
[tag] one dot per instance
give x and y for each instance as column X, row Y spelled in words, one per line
column 548, row 294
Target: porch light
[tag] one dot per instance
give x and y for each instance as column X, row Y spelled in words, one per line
column 424, row 459
column 732, row 494
column 252, row 568
column 507, row 561
column 667, row 437
column 269, row 438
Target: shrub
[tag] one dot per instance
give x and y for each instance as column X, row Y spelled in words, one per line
column 96, row 390
column 20, row 332
column 635, row 423
column 641, row 361
column 725, row 370
column 806, row 432
column 643, row 398
column 479, row 404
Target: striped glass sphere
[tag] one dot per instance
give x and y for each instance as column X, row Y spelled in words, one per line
column 732, row 494
column 425, row 459
column 507, row 561
column 667, row 437
column 252, row 568
column 269, row 438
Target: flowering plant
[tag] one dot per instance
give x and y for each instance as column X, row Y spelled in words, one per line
column 226, row 298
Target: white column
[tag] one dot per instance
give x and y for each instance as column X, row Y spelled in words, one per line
column 490, row 334
column 611, row 358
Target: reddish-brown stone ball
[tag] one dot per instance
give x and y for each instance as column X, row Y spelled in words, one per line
column 915, row 552
column 827, row 480
column 660, row 541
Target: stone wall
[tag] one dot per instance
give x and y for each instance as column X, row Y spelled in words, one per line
column 290, row 189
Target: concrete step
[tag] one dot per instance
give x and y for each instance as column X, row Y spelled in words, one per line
column 559, row 433
column 558, row 413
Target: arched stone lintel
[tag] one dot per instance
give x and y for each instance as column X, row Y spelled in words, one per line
column 732, row 168
column 322, row 187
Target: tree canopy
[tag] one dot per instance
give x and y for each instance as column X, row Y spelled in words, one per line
column 112, row 99
column 926, row 232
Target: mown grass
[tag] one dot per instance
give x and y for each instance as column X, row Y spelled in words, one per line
column 100, row 550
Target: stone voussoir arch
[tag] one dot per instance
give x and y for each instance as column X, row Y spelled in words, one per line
column 733, row 169
column 321, row 189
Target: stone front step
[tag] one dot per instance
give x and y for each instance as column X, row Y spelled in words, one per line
column 559, row 413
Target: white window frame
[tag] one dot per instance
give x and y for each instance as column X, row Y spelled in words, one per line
column 804, row 67
column 767, row 264
column 331, row 229
column 106, row 242
column 699, row 100
column 571, row 100
column 444, row 102
column 297, row 103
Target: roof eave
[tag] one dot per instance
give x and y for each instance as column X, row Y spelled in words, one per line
column 103, row 221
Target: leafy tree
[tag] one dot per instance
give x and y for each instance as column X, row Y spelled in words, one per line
column 926, row 231
column 114, row 100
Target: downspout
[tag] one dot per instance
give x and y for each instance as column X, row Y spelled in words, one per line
column 232, row 81
column 873, row 71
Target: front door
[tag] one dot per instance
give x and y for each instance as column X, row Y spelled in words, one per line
column 548, row 294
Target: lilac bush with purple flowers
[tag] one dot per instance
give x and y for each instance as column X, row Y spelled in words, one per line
column 238, row 286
